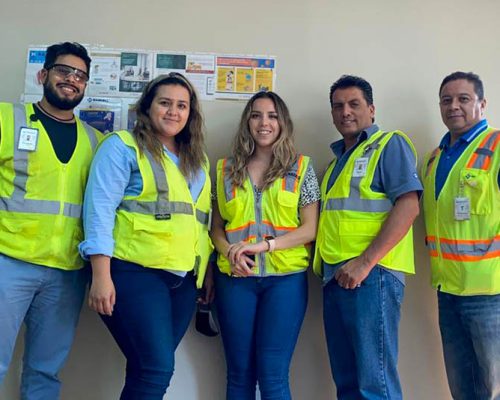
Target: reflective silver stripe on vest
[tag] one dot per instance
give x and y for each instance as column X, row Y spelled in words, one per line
column 354, row 202
column 162, row 206
column 228, row 184
column 486, row 151
column 91, row 134
column 431, row 245
column 252, row 230
column 17, row 202
column 470, row 249
column 72, row 210
column 202, row 217
column 292, row 176
column 151, row 207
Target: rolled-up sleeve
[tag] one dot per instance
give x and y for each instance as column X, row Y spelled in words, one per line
column 109, row 178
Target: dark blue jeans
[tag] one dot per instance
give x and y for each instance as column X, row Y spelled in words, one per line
column 470, row 330
column 152, row 312
column 361, row 327
column 260, row 320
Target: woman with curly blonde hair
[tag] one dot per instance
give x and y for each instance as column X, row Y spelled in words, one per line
column 146, row 231
column 265, row 217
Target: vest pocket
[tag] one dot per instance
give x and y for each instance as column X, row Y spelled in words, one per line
column 20, row 226
column 479, row 279
column 151, row 240
column 474, row 183
column 288, row 208
column 20, row 236
column 232, row 208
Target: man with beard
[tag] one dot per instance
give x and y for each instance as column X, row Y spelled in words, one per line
column 45, row 155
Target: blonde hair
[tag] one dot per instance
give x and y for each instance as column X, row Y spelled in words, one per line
column 190, row 140
column 284, row 152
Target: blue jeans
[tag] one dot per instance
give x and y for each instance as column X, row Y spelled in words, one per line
column 470, row 330
column 361, row 327
column 48, row 300
column 260, row 320
column 151, row 315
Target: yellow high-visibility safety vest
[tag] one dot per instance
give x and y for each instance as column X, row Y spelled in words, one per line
column 273, row 213
column 40, row 197
column 352, row 214
column 162, row 227
column 465, row 254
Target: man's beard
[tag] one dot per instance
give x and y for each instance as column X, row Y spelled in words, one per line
column 56, row 101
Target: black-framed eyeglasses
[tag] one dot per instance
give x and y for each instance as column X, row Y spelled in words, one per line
column 66, row 70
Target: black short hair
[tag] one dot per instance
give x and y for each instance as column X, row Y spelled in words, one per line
column 62, row 49
column 468, row 76
column 347, row 81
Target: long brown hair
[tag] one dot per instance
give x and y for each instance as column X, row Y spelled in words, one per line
column 284, row 152
column 190, row 140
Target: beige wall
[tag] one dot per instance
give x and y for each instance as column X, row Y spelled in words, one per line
column 404, row 48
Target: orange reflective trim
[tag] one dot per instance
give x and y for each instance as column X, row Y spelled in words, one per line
column 239, row 228
column 463, row 257
column 472, row 160
column 495, row 143
column 224, row 176
column 487, row 160
column 299, row 169
column 433, row 253
column 456, row 241
column 224, row 167
column 248, row 238
column 279, row 228
column 430, row 239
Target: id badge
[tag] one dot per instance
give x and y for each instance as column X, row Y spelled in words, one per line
column 28, row 139
column 462, row 208
column 360, row 166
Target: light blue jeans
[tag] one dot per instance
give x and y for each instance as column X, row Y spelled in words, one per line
column 361, row 328
column 49, row 301
column 470, row 330
column 260, row 320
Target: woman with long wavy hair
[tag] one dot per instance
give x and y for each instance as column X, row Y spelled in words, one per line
column 265, row 217
column 146, row 231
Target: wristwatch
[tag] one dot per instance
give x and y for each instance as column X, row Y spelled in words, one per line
column 271, row 243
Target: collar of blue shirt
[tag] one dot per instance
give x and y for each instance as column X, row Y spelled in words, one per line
column 468, row 136
column 338, row 147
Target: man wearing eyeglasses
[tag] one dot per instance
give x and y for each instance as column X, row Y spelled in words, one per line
column 45, row 155
column 462, row 218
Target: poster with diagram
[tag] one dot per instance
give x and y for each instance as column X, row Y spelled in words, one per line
column 104, row 73
column 135, row 72
column 240, row 77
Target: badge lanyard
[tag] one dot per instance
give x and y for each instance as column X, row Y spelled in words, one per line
column 462, row 204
